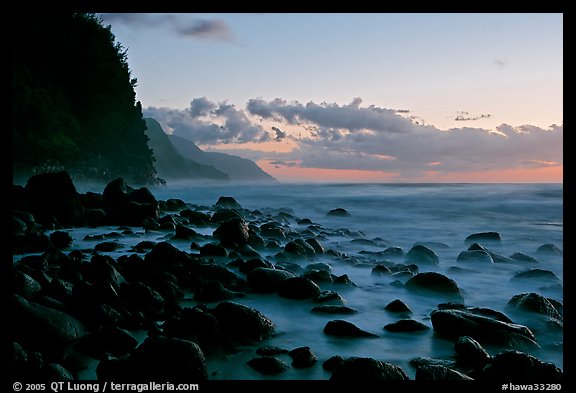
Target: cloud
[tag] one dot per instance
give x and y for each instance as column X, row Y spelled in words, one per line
column 371, row 138
column 181, row 25
column 465, row 116
column 209, row 29
column 206, row 122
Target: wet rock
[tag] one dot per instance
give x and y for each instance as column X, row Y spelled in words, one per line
column 95, row 217
column 397, row 306
column 474, row 256
column 232, row 233
column 423, row 361
column 61, row 239
column 535, row 303
column 332, row 363
column 483, row 237
column 470, row 352
column 55, row 372
column 164, row 359
column 439, row 373
column 169, row 290
column 110, row 340
column 549, row 249
column 520, row 257
column 319, row 266
column 184, row 233
column 213, row 291
column 223, row 215
column 305, row 221
column 422, row 254
column 107, row 246
column 19, row 227
column 406, row 326
column 299, row 248
column 338, row 212
column 243, row 323
column 333, row 309
column 24, row 285
column 435, row 282
column 211, row 249
column 210, row 271
column 31, row 243
column 102, row 270
column 367, row 369
column 36, row 262
column 52, row 197
column 174, row 204
column 343, row 280
column 140, row 297
column 380, row 270
column 267, row 280
column 328, row 296
column 256, row 241
column 196, row 324
column 42, row 328
column 254, row 263
column 268, row 365
column 298, row 288
column 197, row 218
column 303, row 357
column 517, row 366
column 127, row 206
column 537, row 275
column 457, row 323
column 496, row 258
column 228, row 202
column 318, row 249
column 319, row 276
column 342, row 328
column 164, row 253
column 272, row 230
column 271, row 351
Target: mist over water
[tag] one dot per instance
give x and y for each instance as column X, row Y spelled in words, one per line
column 392, row 215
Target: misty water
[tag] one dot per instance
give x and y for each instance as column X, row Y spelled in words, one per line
column 440, row 216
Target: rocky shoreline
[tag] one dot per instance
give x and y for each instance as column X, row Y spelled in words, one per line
column 70, row 305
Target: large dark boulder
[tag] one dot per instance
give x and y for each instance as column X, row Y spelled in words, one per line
column 470, row 352
column 338, row 212
column 127, row 206
column 24, row 285
column 242, row 323
column 483, row 237
column 397, row 306
column 406, row 326
column 420, row 254
column 514, row 366
column 342, row 328
column 267, row 280
column 61, row 239
column 298, row 288
column 53, row 196
column 474, row 256
column 227, row 202
column 303, row 357
column 437, row 372
column 42, row 328
column 299, row 248
column 436, row 283
column 549, row 249
column 141, row 298
column 213, row 291
column 112, row 340
column 268, row 365
column 486, row 330
column 536, row 303
column 538, row 275
column 196, row 324
column 160, row 359
column 164, row 253
column 367, row 369
column 272, row 230
column 233, row 233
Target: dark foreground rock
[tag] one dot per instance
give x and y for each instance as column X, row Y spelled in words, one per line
column 302, row 357
column 419, row 254
column 406, row 326
column 536, row 303
column 338, row 212
column 470, row 352
column 439, row 373
column 268, row 365
column 435, row 282
column 397, row 306
column 159, row 359
column 267, row 280
column 342, row 328
column 298, row 288
column 367, row 369
column 514, row 366
column 456, row 323
column 242, row 323
column 483, row 236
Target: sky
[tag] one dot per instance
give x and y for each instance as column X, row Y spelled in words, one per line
column 384, row 97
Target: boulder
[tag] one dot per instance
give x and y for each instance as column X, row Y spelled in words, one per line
column 343, row 280
column 421, row 254
column 328, row 296
column 319, row 276
column 486, row 330
column 367, row 369
column 61, row 239
column 140, row 297
column 406, row 326
column 111, row 340
column 42, row 328
column 299, row 248
column 267, row 280
column 268, row 365
column 271, row 351
column 243, row 323
column 549, row 249
column 439, row 373
column 55, row 372
column 536, row 303
column 174, row 204
column 537, row 275
column 474, row 256
column 254, row 263
column 227, row 202
column 196, row 324
column 435, row 282
column 164, row 253
column 213, row 291
column 272, row 231
column 298, row 288
column 520, row 257
column 483, row 237
column 397, row 306
column 53, row 196
column 196, row 218
column 107, row 246
column 211, row 249
column 127, row 206
column 302, row 357
column 342, row 328
column 318, row 248
column 184, row 233
column 338, row 212
column 232, row 233
column 517, row 367
column 24, row 285
column 224, row 215
column 470, row 352
column 332, row 363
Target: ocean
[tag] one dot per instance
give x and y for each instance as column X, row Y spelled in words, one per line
column 439, row 216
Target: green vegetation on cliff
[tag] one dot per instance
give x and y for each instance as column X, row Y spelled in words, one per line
column 74, row 103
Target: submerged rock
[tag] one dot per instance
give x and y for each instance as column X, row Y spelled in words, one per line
column 537, row 274
column 367, row 369
column 536, row 303
column 342, row 328
column 422, row 254
column 397, row 306
column 303, row 357
column 549, row 249
column 520, row 367
column 228, row 202
column 483, row 236
column 520, row 257
column 213, row 291
column 405, row 326
column 268, row 365
column 434, row 282
column 338, row 212
column 474, row 256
